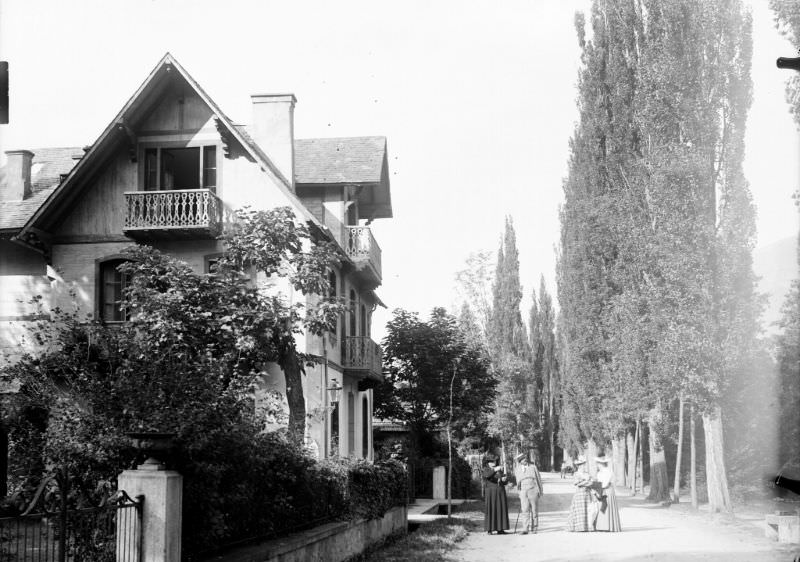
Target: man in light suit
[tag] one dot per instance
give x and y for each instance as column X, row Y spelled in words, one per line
column 529, row 484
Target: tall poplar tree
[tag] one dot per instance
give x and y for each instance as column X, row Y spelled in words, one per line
column 787, row 19
column 515, row 419
column 545, row 367
column 655, row 278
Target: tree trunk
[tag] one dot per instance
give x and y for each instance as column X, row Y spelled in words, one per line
column 659, row 477
column 630, row 471
column 692, row 459
column 450, row 452
column 719, row 498
column 293, row 375
column 635, row 460
column 591, row 454
column 552, row 424
column 676, row 491
column 618, row 456
column 640, row 458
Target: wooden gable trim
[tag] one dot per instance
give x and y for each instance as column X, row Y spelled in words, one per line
column 118, row 125
column 100, row 144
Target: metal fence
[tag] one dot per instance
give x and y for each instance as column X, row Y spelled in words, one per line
column 48, row 531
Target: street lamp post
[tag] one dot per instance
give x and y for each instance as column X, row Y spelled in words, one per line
column 334, row 393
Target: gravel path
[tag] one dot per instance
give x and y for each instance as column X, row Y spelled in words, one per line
column 650, row 532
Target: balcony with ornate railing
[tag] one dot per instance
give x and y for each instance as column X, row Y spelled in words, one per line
column 364, row 251
column 187, row 213
column 361, row 354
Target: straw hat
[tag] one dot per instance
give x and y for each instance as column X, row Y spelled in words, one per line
column 603, row 460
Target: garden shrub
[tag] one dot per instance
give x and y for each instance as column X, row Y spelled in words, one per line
column 186, row 362
column 374, row 488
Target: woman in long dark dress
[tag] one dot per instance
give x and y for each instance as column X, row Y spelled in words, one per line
column 496, row 514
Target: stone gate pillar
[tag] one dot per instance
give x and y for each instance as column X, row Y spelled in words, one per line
column 161, row 513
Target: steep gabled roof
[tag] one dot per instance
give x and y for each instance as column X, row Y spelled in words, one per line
column 46, row 169
column 339, row 160
column 360, row 161
column 115, row 132
column 344, row 160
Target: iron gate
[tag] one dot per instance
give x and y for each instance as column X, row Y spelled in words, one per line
column 48, row 530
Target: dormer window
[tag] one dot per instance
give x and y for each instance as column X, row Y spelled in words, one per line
column 180, row 168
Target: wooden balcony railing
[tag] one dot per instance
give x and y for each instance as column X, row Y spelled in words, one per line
column 188, row 211
column 360, row 353
column 364, row 250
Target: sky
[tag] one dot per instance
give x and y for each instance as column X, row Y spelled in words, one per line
column 476, row 99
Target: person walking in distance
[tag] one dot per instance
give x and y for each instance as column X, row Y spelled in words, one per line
column 529, row 484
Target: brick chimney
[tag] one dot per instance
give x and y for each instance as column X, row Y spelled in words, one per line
column 18, row 175
column 273, row 130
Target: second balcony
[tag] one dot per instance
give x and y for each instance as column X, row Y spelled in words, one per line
column 362, row 357
column 365, row 253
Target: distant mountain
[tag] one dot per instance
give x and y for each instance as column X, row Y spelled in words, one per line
column 776, row 265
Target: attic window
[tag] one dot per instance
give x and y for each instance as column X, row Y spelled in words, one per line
column 180, row 168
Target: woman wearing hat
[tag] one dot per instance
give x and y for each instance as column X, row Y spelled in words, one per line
column 495, row 516
column 608, row 516
column 580, row 510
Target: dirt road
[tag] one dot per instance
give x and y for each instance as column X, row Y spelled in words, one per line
column 650, row 532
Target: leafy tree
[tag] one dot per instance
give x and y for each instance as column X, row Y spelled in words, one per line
column 545, row 366
column 787, row 20
column 788, row 348
column 655, row 279
column 474, row 286
column 515, row 419
column 281, row 249
column 420, row 359
column 597, row 149
column 185, row 362
column 507, row 331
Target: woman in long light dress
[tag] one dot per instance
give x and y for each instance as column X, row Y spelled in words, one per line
column 608, row 516
column 580, row 509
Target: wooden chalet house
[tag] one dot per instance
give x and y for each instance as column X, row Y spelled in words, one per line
column 165, row 172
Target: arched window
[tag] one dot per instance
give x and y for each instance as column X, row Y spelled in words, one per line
column 352, row 312
column 364, row 331
column 110, row 287
column 351, row 425
column 333, row 292
column 332, row 289
column 365, row 427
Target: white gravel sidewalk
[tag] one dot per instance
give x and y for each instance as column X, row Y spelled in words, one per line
column 650, row 532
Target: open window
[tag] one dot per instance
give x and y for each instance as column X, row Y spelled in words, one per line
column 167, row 168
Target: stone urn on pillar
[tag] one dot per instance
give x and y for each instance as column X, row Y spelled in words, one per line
column 156, row 446
column 162, row 489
